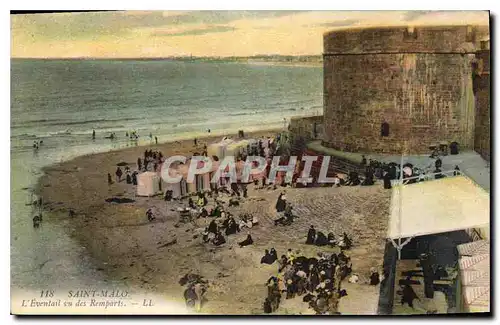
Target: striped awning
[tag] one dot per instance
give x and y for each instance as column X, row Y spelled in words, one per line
column 477, row 299
column 475, row 278
column 478, row 247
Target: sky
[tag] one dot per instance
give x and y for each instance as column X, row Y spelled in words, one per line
column 149, row 34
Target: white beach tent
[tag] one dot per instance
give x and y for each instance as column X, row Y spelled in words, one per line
column 437, row 206
column 218, row 149
column 200, row 183
column 148, row 184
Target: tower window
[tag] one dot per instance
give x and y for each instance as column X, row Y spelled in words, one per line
column 384, row 130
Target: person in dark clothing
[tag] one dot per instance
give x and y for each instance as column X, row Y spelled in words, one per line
column 387, row 181
column 156, row 140
column 408, row 295
column 288, row 213
column 234, row 188
column 212, row 227
column 267, row 258
column 368, row 177
column 134, row 178
column 438, row 174
column 216, row 212
column 246, row 242
column 456, row 171
column 311, row 236
column 36, row 221
column 353, row 179
column 118, row 174
column 191, row 203
column 393, row 171
column 346, row 242
column 110, row 180
column 321, row 239
column 219, row 239
column 149, row 215
column 93, row 134
column 438, row 163
column 374, row 278
column 363, row 160
column 331, row 239
column 232, row 227
column 195, row 141
column 280, row 203
column 429, row 275
column 273, row 254
column 129, row 179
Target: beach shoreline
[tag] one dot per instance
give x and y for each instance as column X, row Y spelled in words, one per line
column 128, row 248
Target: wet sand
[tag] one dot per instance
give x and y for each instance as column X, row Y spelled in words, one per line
column 129, row 248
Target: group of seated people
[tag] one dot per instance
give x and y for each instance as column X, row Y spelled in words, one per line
column 319, row 239
column 227, row 224
column 270, row 256
column 318, row 279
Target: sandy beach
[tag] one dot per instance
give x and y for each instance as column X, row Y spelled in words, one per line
column 129, row 248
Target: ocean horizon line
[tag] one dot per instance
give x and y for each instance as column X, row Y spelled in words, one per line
column 178, row 58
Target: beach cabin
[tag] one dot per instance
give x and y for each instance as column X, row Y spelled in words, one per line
column 201, row 182
column 148, row 184
column 218, row 149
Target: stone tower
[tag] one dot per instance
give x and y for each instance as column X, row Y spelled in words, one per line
column 387, row 87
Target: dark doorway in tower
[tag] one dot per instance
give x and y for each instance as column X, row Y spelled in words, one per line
column 384, row 129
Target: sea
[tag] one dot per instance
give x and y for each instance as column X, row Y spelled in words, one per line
column 60, row 102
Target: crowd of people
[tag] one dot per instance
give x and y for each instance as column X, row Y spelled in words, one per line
column 318, row 280
column 151, row 158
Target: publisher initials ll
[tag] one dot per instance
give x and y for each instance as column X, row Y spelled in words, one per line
column 147, row 303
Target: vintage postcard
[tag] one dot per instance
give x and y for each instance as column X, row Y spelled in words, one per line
column 250, row 162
